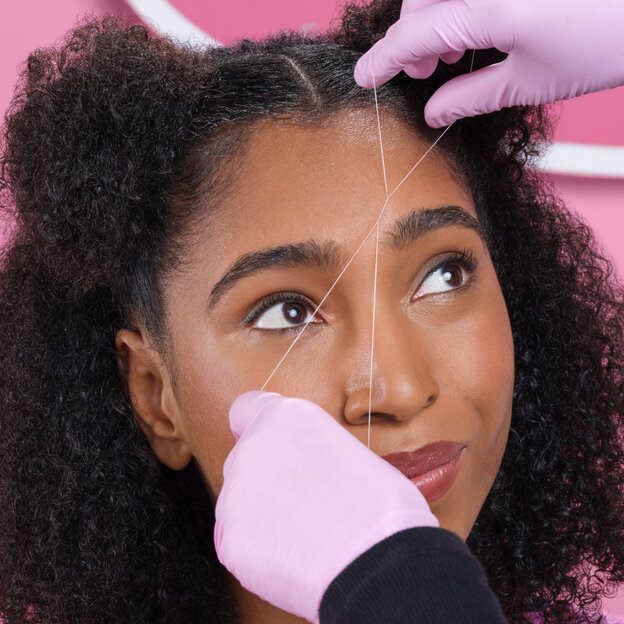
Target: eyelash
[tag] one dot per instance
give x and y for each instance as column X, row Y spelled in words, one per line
column 464, row 258
column 274, row 298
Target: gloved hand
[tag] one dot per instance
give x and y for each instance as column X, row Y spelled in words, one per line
column 557, row 49
column 302, row 499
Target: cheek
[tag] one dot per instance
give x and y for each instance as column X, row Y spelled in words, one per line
column 487, row 377
column 484, row 366
column 476, row 357
column 474, row 365
column 205, row 390
column 211, row 440
column 214, row 370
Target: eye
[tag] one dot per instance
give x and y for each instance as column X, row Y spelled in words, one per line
column 450, row 275
column 282, row 311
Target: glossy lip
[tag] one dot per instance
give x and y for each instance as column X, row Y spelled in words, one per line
column 433, row 467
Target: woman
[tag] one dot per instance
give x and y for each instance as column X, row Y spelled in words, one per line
column 179, row 212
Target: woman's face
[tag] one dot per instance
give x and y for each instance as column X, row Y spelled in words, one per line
column 301, row 202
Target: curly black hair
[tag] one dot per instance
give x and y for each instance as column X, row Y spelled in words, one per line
column 110, row 142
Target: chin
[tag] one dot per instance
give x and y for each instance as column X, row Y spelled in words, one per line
column 453, row 516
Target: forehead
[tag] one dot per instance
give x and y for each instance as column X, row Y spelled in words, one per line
column 295, row 183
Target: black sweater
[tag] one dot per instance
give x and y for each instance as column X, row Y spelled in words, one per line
column 418, row 576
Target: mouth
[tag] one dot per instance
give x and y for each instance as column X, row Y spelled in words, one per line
column 433, row 467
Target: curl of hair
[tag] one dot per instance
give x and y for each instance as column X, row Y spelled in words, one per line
column 109, row 143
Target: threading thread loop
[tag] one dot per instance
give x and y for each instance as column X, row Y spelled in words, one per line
column 385, row 178
column 375, row 227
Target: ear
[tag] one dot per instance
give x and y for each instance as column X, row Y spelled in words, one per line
column 153, row 399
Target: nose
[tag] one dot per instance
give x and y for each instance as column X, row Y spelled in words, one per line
column 403, row 380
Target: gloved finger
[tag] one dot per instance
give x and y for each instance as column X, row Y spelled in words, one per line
column 436, row 30
column 422, row 69
column 246, row 407
column 410, row 6
column 452, row 57
column 426, row 67
column 217, row 533
column 484, row 91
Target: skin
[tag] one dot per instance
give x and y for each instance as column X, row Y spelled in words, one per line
column 443, row 366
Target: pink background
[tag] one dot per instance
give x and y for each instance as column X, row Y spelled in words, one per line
column 596, row 119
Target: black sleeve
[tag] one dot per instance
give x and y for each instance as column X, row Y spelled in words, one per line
column 418, row 576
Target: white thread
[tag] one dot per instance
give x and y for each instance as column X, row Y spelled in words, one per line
column 372, row 352
column 396, row 188
column 383, row 208
column 370, row 378
column 318, row 307
column 383, row 165
column 375, row 226
column 383, row 162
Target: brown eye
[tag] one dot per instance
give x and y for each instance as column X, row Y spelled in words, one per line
column 284, row 315
column 294, row 312
column 446, row 277
column 452, row 275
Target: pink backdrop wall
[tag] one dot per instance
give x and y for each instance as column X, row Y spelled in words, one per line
column 595, row 119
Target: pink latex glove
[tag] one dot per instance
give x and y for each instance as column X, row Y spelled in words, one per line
column 302, row 499
column 558, row 49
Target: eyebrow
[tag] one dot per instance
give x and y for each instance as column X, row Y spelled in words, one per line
column 417, row 223
column 308, row 253
column 327, row 255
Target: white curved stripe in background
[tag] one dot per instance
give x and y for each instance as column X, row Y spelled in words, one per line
column 563, row 158
column 165, row 19
column 602, row 161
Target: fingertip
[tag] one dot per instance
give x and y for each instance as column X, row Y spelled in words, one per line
column 422, row 69
column 452, row 57
column 477, row 93
column 363, row 72
column 437, row 118
column 359, row 74
column 436, row 122
column 246, row 406
column 442, row 110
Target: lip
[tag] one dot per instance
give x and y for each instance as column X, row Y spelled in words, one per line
column 433, row 467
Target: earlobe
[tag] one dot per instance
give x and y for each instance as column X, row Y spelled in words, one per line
column 152, row 398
